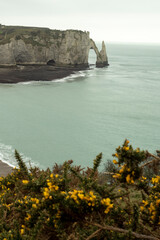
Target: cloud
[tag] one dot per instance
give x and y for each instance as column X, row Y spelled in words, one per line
column 115, row 20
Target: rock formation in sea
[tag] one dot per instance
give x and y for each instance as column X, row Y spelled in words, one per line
column 42, row 46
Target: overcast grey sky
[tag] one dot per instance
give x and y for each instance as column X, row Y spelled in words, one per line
column 109, row 20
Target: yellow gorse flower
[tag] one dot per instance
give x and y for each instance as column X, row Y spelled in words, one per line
column 125, row 148
column 129, row 179
column 115, row 162
column 117, row 175
column 156, row 180
column 28, row 217
column 25, row 181
column 22, row 231
column 122, row 169
column 107, row 202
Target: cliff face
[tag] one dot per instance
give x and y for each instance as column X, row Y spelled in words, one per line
column 27, row 46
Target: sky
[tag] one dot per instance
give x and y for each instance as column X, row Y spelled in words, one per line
column 108, row 20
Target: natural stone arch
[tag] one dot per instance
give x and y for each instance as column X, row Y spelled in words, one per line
column 92, row 57
column 102, row 59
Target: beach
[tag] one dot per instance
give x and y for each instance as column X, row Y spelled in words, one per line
column 15, row 74
column 5, row 169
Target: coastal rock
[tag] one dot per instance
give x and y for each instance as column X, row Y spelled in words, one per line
column 42, row 46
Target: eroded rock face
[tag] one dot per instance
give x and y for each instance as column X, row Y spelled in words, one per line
column 24, row 45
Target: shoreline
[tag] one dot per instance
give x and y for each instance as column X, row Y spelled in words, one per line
column 5, row 169
column 17, row 74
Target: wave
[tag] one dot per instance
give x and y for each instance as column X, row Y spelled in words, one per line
column 71, row 77
column 26, row 83
column 7, row 156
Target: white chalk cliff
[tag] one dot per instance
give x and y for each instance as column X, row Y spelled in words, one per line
column 27, row 46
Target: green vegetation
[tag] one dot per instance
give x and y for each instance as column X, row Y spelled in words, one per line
column 72, row 203
column 29, row 34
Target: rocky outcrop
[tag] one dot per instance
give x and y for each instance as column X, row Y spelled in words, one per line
column 41, row 46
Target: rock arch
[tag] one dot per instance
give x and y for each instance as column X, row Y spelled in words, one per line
column 102, row 59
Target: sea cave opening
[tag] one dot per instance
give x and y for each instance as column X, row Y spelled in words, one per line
column 51, row 62
column 92, row 58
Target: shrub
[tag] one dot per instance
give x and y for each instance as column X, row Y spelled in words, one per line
column 72, row 203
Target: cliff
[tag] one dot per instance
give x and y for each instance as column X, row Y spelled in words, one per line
column 42, row 46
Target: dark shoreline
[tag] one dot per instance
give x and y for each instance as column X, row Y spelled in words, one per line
column 27, row 73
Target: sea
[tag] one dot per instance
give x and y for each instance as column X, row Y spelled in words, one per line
column 91, row 111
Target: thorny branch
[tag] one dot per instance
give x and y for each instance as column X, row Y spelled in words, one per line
column 115, row 229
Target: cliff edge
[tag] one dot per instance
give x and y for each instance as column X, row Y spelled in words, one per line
column 43, row 46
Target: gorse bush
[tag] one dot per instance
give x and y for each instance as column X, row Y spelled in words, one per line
column 69, row 202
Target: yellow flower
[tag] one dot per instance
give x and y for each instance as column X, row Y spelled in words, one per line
column 25, row 181
column 34, row 205
column 116, row 155
column 63, row 192
column 107, row 202
column 22, row 231
column 151, row 208
column 156, row 180
column 51, row 176
column 81, row 196
column 122, row 169
column 46, row 193
column 115, row 162
column 117, row 175
column 128, row 178
column 145, row 202
column 157, row 202
column 28, row 217
column 126, row 148
column 56, row 188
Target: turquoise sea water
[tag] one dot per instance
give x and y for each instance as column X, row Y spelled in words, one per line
column 87, row 113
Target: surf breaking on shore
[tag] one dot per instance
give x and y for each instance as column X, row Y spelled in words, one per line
column 8, row 161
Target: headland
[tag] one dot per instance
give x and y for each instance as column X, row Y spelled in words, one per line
column 30, row 53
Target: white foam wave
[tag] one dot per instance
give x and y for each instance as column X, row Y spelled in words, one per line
column 7, row 156
column 25, row 83
column 71, row 77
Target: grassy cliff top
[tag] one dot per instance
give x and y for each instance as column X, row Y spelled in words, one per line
column 21, row 32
